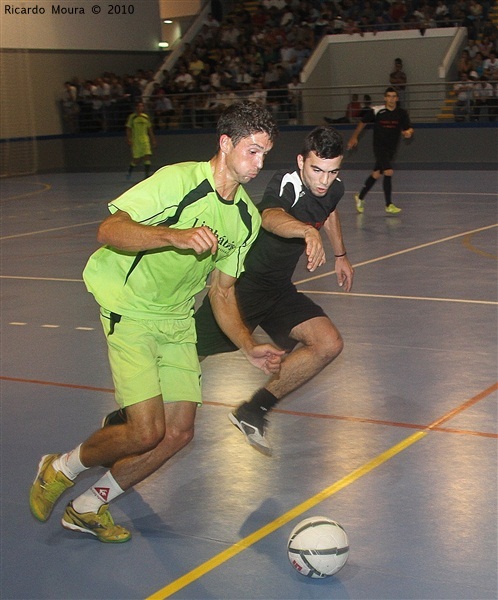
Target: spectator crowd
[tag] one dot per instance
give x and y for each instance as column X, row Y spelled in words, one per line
column 476, row 92
column 259, row 54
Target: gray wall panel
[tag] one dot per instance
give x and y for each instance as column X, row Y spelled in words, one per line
column 433, row 146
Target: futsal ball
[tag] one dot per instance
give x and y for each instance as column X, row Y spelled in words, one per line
column 318, row 547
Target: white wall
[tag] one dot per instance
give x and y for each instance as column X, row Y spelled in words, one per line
column 351, row 60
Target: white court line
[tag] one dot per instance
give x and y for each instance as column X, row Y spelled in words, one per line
column 419, row 247
column 366, row 262
column 18, row 235
column 82, row 328
column 389, row 296
column 381, row 193
column 40, row 278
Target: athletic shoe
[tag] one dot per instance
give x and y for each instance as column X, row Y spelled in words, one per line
column 116, row 417
column 392, row 210
column 48, row 485
column 253, row 425
column 360, row 205
column 99, row 524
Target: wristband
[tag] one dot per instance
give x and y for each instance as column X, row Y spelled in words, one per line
column 340, row 255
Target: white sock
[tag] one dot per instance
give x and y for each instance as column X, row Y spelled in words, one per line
column 70, row 463
column 102, row 492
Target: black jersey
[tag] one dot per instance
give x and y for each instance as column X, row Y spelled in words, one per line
column 388, row 125
column 272, row 259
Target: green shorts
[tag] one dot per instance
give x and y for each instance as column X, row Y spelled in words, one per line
column 141, row 148
column 153, row 358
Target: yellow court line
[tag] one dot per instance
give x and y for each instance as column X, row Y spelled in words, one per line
column 298, row 510
column 46, row 186
column 248, row 541
column 470, row 246
column 393, row 254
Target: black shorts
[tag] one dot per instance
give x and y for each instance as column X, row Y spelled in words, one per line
column 383, row 159
column 277, row 312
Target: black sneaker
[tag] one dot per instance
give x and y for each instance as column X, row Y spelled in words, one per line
column 117, row 417
column 253, row 425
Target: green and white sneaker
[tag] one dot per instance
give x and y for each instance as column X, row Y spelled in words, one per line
column 99, row 524
column 360, row 205
column 47, row 487
column 392, row 210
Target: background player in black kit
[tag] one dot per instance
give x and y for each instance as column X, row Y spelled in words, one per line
column 390, row 122
column 295, row 206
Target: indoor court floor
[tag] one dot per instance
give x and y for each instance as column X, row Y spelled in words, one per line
column 396, row 440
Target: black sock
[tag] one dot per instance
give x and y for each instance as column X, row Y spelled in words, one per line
column 387, row 185
column 262, row 400
column 367, row 186
column 130, row 168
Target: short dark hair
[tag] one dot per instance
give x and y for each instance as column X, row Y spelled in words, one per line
column 242, row 119
column 324, row 141
column 391, row 89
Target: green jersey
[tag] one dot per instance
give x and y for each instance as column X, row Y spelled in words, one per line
column 162, row 283
column 139, row 125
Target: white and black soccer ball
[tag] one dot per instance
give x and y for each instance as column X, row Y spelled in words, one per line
column 318, row 547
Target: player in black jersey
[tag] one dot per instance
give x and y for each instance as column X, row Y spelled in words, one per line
column 295, row 206
column 390, row 123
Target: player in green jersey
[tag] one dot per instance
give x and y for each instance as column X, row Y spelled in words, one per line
column 140, row 137
column 164, row 237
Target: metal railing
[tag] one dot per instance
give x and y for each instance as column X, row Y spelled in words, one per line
column 425, row 102
column 430, row 102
